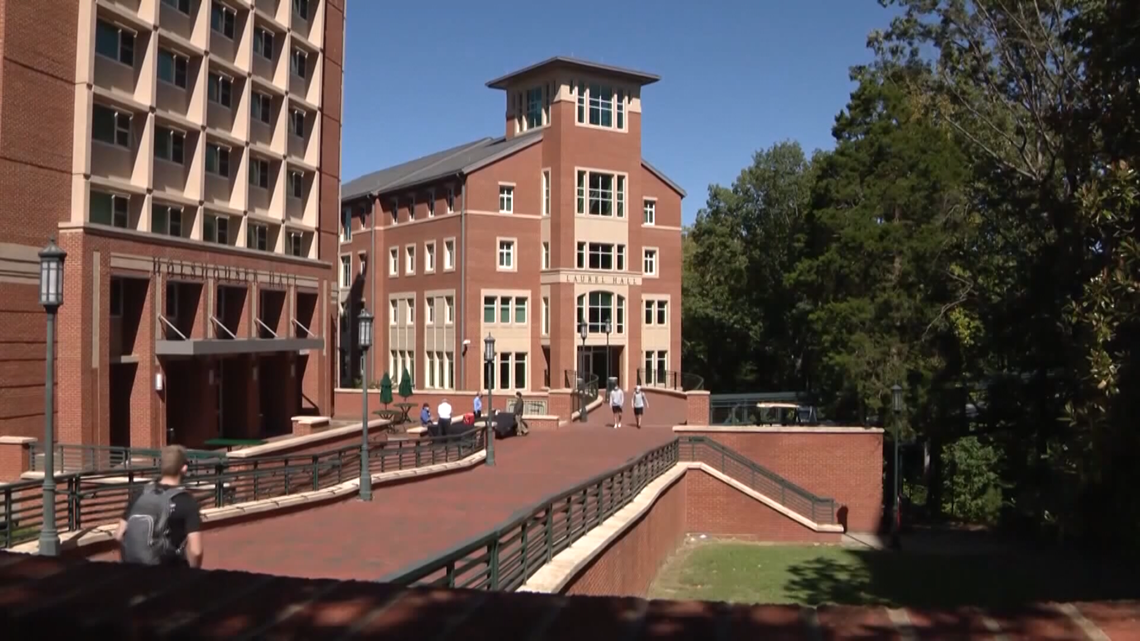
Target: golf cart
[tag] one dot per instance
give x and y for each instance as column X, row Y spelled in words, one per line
column 785, row 414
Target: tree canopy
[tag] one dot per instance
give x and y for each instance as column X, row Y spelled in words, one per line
column 971, row 236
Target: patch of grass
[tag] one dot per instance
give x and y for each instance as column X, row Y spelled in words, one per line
column 814, row 575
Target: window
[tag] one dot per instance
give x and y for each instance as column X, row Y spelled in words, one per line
column 520, row 310
column 393, row 312
column 362, row 258
column 533, row 108
column 506, row 199
column 505, row 310
column 449, row 254
column 656, row 367
column 262, row 107
column 510, row 310
column 263, row 43
column 297, row 184
column 410, row 259
column 429, row 310
column 598, row 307
column 393, row 261
column 110, row 126
column 257, row 236
column 429, row 257
column 216, row 229
column 601, row 256
column 431, row 203
column 297, row 245
column 511, row 372
column 166, row 220
column 656, row 312
column 345, row 224
column 649, row 212
column 545, row 255
column 489, row 304
column 412, row 208
column 222, row 20
column 172, row 68
column 581, row 101
column 220, row 89
column 169, row 145
column 451, row 200
column 115, row 43
column 448, row 310
column 620, row 103
column 301, row 9
column 649, row 262
column 180, row 5
column 217, row 160
column 110, row 209
column 297, row 123
column 506, row 254
column 394, row 210
column 545, row 316
column 410, row 304
column 597, row 195
column 298, row 62
column 601, row 105
column 546, row 192
column 345, row 271
column 259, row 173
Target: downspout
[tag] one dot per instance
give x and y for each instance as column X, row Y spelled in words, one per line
column 462, row 281
column 372, row 277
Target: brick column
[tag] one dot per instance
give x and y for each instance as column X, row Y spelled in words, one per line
column 14, row 451
column 145, row 429
column 698, row 408
column 560, row 403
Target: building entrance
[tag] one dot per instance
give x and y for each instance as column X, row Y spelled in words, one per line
column 602, row 363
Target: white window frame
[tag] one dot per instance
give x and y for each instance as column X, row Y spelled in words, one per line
column 346, row 270
column 345, row 224
column 410, row 259
column 584, row 194
column 545, row 192
column 649, row 212
column 650, row 262
column 429, row 257
column 410, row 312
column 449, row 310
column 393, row 261
column 429, row 310
column 546, row 316
column 448, row 254
column 431, row 203
column 506, row 198
column 506, row 248
column 546, row 254
column 451, row 200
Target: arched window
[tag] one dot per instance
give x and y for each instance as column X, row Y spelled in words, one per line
column 596, row 308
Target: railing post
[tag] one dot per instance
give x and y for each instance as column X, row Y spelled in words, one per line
column 493, row 553
column 316, row 475
column 8, row 529
column 72, row 504
column 522, row 548
column 549, row 534
column 256, row 476
column 219, row 496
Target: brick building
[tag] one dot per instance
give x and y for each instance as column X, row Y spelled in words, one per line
column 561, row 219
column 186, row 154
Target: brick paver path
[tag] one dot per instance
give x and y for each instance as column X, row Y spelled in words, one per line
column 414, row 521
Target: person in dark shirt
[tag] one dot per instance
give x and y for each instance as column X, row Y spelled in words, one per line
column 185, row 522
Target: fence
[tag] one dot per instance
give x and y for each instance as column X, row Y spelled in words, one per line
column 531, row 407
column 87, row 499
column 584, row 383
column 669, row 379
column 70, row 457
column 506, row 557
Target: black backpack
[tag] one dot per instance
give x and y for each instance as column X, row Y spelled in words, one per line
column 147, row 539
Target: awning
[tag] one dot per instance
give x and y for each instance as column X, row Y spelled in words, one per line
column 218, row 346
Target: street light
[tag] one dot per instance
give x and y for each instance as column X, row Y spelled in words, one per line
column 364, row 342
column 488, row 368
column 897, row 406
column 582, row 330
column 609, row 327
column 51, row 297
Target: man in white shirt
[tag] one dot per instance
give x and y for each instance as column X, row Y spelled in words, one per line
column 443, row 412
column 617, row 400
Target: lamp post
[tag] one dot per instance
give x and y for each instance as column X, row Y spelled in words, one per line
column 364, row 342
column 488, row 365
column 582, row 330
column 609, row 327
column 51, row 297
column 897, row 406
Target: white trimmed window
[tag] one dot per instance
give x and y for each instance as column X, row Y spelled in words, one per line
column 451, row 200
column 506, row 255
column 346, row 271
column 545, row 316
column 656, row 312
column 429, row 310
column 601, row 256
column 649, row 262
column 505, row 310
column 429, row 256
column 546, row 255
column 448, row 310
column 546, row 192
column 410, row 259
column 506, row 199
column 449, row 254
column 393, row 261
column 393, row 311
column 166, row 220
column 601, row 194
column 649, row 212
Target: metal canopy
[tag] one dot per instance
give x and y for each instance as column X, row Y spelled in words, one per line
column 215, row 346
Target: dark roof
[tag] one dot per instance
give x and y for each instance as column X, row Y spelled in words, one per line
column 449, row 162
column 455, row 161
column 640, row 77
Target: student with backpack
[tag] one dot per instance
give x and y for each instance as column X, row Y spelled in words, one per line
column 162, row 525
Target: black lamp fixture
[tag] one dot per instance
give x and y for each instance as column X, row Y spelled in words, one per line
column 51, row 297
column 364, row 342
column 489, row 368
column 583, row 331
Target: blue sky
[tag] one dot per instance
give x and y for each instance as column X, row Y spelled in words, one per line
column 737, row 75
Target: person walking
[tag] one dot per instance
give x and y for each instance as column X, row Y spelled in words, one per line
column 640, row 402
column 162, row 525
column 617, row 400
column 443, row 413
column 477, row 405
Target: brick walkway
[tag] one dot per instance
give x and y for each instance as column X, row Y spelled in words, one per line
column 43, row 598
column 412, row 522
column 663, row 410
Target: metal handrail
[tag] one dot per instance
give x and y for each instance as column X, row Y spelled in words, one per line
column 87, row 499
column 218, row 323
column 298, row 324
column 670, row 379
column 265, row 327
column 106, row 457
column 172, row 327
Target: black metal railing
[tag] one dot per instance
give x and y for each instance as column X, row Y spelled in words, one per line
column 583, row 384
column 669, row 379
column 87, row 499
column 531, row 407
column 504, row 558
column 75, row 457
column 743, row 469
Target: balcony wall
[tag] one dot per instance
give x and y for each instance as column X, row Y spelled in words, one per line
column 175, row 21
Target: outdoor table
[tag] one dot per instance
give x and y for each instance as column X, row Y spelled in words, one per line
column 231, row 443
column 405, row 408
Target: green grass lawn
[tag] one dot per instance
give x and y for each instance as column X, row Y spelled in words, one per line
column 814, row 575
